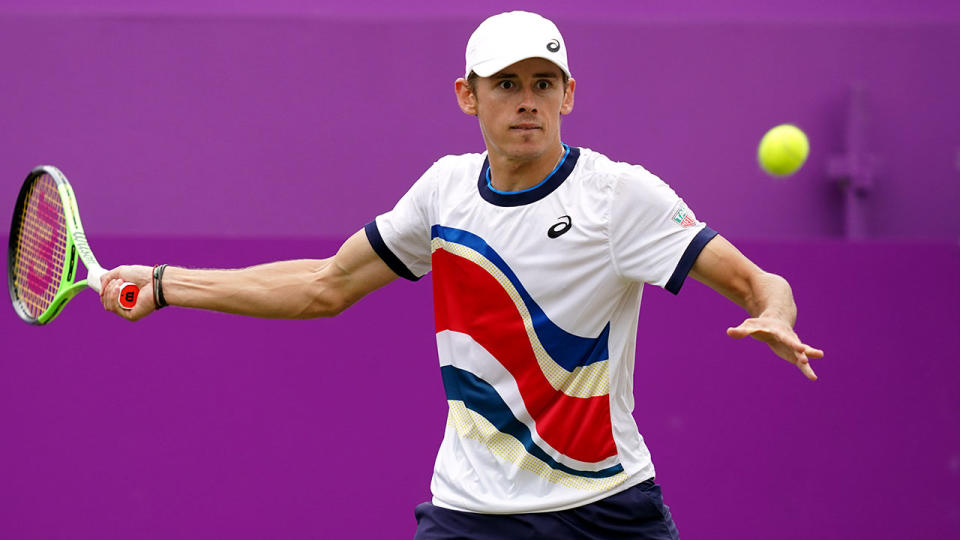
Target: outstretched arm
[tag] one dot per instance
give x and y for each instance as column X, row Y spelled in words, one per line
column 766, row 297
column 297, row 289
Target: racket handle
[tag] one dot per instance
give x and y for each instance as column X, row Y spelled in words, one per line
column 128, row 295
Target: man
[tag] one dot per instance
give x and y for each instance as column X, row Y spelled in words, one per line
column 539, row 252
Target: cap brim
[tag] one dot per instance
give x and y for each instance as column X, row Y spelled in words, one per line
column 491, row 67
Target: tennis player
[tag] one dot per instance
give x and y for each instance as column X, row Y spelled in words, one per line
column 539, row 253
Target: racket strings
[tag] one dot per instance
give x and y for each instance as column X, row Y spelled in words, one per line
column 41, row 246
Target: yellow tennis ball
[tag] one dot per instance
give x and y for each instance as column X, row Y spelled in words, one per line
column 783, row 150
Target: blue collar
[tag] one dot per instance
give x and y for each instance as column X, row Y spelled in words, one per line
column 531, row 194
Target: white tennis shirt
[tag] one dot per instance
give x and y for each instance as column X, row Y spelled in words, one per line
column 536, row 298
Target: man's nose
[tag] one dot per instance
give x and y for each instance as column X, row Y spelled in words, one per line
column 527, row 101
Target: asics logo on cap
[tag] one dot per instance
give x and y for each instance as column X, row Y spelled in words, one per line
column 553, row 46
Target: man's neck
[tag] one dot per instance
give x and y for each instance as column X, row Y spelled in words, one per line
column 508, row 174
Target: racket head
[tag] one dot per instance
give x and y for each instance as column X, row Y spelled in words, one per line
column 42, row 258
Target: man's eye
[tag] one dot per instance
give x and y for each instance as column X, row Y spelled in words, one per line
column 506, row 85
column 543, row 85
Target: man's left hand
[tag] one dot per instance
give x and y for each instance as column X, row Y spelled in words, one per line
column 782, row 340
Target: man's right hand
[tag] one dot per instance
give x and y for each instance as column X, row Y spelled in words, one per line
column 141, row 276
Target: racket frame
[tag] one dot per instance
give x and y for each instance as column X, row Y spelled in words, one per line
column 76, row 248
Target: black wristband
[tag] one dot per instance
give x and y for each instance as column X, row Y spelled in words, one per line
column 158, row 287
column 156, row 297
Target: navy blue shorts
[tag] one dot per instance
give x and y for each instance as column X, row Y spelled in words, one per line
column 636, row 514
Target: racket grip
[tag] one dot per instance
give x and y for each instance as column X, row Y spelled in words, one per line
column 129, row 292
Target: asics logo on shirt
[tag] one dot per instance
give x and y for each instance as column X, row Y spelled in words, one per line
column 560, row 228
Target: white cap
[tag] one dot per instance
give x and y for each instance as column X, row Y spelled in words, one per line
column 508, row 38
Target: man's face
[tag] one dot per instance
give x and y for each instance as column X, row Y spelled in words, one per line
column 519, row 107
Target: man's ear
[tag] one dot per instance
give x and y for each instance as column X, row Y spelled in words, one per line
column 567, row 106
column 466, row 97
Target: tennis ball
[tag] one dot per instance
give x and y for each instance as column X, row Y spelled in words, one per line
column 783, row 150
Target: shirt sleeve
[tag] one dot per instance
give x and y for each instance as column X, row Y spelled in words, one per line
column 654, row 236
column 401, row 237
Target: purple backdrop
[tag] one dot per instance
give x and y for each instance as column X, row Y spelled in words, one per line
column 218, row 133
column 615, row 9
column 201, row 425
column 196, row 117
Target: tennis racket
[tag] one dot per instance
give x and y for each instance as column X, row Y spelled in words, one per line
column 46, row 241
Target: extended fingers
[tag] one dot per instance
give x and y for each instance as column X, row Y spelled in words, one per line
column 804, row 365
column 802, row 354
column 782, row 340
column 801, row 349
column 767, row 332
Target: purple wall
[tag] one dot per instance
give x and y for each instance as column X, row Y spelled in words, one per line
column 200, row 425
column 618, row 9
column 192, row 128
column 198, row 117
